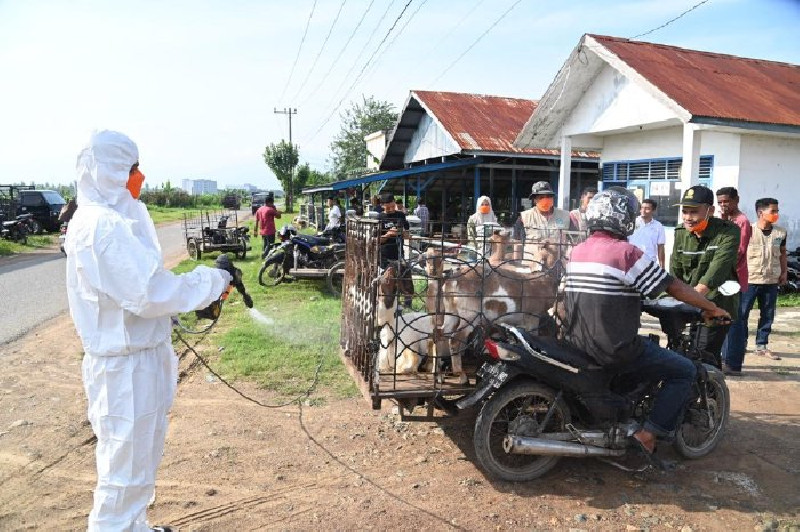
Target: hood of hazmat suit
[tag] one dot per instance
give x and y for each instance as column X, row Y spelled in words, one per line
column 121, row 299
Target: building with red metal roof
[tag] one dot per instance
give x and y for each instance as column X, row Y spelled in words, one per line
column 664, row 118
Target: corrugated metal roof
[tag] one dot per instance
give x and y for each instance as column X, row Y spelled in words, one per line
column 716, row 85
column 478, row 122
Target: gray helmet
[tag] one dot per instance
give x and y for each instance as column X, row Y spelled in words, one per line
column 613, row 210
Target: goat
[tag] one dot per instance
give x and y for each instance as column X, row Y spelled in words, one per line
column 490, row 291
column 411, row 330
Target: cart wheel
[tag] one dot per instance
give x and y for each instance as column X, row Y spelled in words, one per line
column 336, row 278
column 193, row 249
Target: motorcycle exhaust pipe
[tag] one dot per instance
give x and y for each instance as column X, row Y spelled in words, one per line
column 525, row 445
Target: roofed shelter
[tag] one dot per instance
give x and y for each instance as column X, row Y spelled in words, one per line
column 664, row 118
column 453, row 147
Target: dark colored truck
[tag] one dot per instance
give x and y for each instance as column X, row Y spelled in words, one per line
column 45, row 205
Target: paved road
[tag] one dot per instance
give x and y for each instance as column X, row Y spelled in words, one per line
column 33, row 284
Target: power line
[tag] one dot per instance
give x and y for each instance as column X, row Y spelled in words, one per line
column 465, row 52
column 667, row 23
column 358, row 57
column 363, row 68
column 396, row 36
column 339, row 56
column 458, row 25
column 291, row 72
column 322, row 48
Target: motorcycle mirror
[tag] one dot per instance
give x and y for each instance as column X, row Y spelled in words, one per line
column 729, row 288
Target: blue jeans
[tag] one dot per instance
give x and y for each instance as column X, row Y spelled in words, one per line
column 677, row 373
column 736, row 342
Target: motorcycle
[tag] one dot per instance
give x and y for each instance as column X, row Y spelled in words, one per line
column 17, row 229
column 296, row 251
column 792, row 285
column 543, row 400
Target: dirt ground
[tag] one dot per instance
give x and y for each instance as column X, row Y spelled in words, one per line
column 231, row 465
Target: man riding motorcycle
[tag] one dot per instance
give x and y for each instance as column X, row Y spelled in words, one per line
column 605, row 279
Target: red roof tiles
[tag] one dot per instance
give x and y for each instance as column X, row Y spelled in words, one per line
column 716, row 85
column 478, row 122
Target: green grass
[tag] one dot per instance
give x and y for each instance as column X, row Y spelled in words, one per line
column 282, row 356
column 34, row 242
column 166, row 214
column 789, row 300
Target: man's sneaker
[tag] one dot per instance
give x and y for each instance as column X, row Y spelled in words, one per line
column 163, row 529
column 727, row 370
column 763, row 351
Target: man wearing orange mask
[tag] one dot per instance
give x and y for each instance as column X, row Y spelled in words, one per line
column 704, row 256
column 121, row 298
column 767, row 269
column 542, row 220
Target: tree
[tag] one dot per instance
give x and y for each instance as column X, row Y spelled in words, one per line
column 281, row 159
column 306, row 177
column 349, row 148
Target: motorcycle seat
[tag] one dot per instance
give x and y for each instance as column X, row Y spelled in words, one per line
column 312, row 240
column 563, row 352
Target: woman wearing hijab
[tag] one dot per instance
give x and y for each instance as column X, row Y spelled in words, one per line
column 475, row 224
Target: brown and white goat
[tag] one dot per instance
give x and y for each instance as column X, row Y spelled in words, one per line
column 492, row 290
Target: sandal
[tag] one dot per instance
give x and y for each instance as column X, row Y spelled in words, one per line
column 650, row 457
column 765, row 352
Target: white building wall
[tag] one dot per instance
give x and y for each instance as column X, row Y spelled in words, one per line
column 769, row 168
column 649, row 144
column 429, row 141
column 726, row 149
column 613, row 102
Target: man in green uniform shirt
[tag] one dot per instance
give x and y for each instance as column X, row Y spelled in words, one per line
column 704, row 256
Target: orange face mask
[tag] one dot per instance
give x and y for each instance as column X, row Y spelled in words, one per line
column 544, row 204
column 134, row 184
column 484, row 209
column 700, row 227
column 771, row 217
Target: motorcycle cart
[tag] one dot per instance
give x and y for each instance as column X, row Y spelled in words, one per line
column 274, row 272
column 430, row 320
column 211, row 231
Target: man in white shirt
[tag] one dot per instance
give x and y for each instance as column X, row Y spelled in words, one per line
column 649, row 235
column 334, row 213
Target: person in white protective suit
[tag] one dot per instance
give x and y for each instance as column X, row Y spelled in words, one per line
column 121, row 299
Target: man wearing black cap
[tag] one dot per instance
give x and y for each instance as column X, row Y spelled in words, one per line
column 542, row 220
column 392, row 225
column 704, row 256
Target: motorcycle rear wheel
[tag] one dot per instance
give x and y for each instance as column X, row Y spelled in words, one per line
column 274, row 274
column 703, row 426
column 517, row 409
column 336, row 278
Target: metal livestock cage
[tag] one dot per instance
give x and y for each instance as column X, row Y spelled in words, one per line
column 406, row 323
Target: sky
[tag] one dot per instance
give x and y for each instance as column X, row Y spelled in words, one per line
column 195, row 83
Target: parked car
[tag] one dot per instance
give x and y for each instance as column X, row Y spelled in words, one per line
column 232, row 201
column 257, row 201
column 44, row 205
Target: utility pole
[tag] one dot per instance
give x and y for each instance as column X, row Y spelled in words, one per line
column 289, row 194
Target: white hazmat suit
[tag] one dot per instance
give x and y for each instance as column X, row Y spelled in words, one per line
column 121, row 299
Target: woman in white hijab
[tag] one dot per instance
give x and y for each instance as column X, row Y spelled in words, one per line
column 484, row 216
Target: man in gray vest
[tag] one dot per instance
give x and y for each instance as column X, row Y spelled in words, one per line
column 542, row 220
column 767, row 269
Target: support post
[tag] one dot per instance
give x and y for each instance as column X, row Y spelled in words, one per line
column 565, row 172
column 690, row 168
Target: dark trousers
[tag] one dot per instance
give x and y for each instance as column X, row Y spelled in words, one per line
column 268, row 241
column 736, row 342
column 677, row 373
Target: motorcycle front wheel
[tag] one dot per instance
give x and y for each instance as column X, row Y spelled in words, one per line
column 518, row 409
column 703, row 424
column 271, row 274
